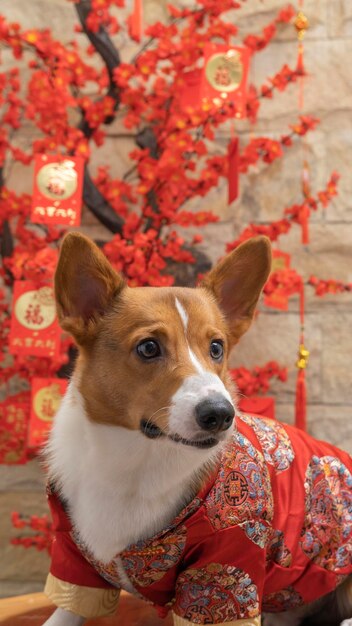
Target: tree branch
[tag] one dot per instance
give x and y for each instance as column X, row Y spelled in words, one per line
column 103, row 45
column 100, row 207
column 146, row 138
column 101, row 41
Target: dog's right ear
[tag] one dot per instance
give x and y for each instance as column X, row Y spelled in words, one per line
column 237, row 281
column 85, row 285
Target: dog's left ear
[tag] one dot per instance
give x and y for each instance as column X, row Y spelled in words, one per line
column 237, row 282
column 85, row 286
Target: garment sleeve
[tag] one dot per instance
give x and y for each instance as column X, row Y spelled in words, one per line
column 88, row 602
column 223, row 582
column 73, row 583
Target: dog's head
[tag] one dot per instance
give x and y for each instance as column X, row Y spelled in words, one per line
column 155, row 359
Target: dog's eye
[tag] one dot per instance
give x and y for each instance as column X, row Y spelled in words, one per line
column 216, row 350
column 148, row 349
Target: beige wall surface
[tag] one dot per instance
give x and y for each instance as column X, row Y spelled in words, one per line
column 264, row 194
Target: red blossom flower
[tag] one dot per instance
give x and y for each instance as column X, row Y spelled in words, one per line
column 324, row 287
column 43, row 536
column 257, row 380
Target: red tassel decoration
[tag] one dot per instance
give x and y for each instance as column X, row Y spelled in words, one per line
column 301, row 401
column 301, row 387
column 301, row 24
column 306, row 180
column 300, row 60
column 304, row 219
column 134, row 21
column 233, row 171
column 301, row 70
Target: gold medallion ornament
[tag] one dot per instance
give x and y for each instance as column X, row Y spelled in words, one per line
column 301, row 25
column 224, row 71
column 36, row 309
column 303, row 356
column 58, row 181
column 47, row 402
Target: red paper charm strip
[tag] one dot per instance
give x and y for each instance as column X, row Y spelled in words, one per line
column 34, row 327
column 46, row 398
column 57, row 190
column 225, row 76
column 14, row 415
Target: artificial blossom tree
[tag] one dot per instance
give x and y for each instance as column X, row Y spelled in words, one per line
column 71, row 97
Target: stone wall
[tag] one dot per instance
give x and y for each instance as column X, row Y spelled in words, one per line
column 264, row 193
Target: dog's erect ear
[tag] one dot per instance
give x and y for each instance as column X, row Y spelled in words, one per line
column 237, row 282
column 85, row 285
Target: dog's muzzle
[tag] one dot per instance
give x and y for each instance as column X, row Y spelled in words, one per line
column 215, row 414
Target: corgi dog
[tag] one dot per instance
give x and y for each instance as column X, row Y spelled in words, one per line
column 158, row 484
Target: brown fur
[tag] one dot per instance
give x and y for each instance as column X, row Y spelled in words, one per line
column 237, row 282
column 117, row 384
column 85, row 283
column 108, row 319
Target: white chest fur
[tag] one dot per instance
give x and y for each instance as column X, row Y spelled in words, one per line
column 119, row 485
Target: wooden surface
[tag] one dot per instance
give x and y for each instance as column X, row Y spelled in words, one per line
column 35, row 608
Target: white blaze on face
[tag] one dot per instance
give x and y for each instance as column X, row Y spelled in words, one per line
column 194, row 389
column 192, row 356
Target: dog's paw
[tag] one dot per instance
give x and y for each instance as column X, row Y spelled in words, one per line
column 346, row 622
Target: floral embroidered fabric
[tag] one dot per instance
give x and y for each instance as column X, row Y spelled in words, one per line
column 271, row 530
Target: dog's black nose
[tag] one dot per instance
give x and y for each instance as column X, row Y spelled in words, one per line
column 215, row 413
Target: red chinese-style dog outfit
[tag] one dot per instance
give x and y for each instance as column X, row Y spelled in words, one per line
column 271, row 530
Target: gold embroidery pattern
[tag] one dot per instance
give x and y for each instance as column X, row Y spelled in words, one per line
column 242, row 491
column 326, row 536
column 84, row 601
column 154, row 559
column 253, row 621
column 273, row 438
column 216, row 593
